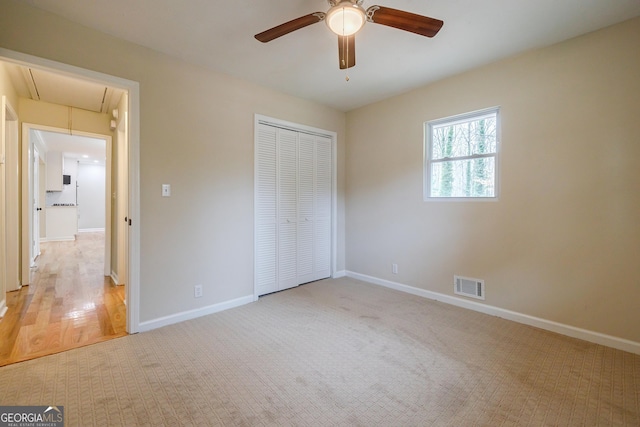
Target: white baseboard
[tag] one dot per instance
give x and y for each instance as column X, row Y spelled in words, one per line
column 339, row 274
column 549, row 325
column 192, row 314
column 90, row 230
column 114, row 278
column 3, row 308
column 58, row 239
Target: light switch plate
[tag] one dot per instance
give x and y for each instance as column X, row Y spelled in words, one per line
column 166, row 190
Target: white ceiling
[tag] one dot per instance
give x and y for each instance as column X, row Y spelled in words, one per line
column 83, row 148
column 218, row 34
column 58, row 89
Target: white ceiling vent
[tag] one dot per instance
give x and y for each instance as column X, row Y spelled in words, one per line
column 468, row 287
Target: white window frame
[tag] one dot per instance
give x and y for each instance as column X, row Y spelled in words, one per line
column 428, row 148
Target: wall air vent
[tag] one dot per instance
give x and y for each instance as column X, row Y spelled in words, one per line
column 468, row 287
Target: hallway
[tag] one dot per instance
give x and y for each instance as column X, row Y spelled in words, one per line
column 69, row 304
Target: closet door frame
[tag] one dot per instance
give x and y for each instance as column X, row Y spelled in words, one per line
column 278, row 123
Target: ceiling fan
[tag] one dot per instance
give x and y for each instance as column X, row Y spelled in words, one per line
column 347, row 17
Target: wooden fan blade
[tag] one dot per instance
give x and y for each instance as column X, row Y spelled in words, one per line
column 347, row 51
column 406, row 21
column 288, row 27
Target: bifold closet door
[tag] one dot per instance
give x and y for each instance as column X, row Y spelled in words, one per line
column 293, row 208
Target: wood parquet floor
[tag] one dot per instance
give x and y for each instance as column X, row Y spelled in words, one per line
column 70, row 303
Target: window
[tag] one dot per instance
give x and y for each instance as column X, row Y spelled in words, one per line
column 462, row 156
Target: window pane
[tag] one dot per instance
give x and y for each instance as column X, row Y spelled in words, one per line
column 463, row 178
column 477, row 136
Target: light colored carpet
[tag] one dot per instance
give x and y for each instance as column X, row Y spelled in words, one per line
column 336, row 352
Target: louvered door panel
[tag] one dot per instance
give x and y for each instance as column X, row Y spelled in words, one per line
column 287, row 269
column 266, row 214
column 306, row 177
column 288, row 175
column 322, row 209
column 287, row 208
column 323, row 178
column 322, row 248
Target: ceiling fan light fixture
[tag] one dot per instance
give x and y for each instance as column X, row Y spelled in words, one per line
column 346, row 18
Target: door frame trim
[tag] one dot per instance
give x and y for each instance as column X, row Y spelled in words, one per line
column 133, row 88
column 8, row 114
column 27, row 176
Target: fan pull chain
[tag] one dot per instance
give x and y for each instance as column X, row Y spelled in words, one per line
column 346, row 70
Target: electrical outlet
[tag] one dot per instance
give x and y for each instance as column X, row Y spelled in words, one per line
column 394, row 268
column 197, row 291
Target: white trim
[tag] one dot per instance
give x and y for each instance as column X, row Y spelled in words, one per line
column 339, row 274
column 114, row 278
column 428, row 147
column 90, row 230
column 108, row 221
column 133, row 88
column 11, row 216
column 57, row 239
column 271, row 121
column 3, row 308
column 193, row 314
column 549, row 325
column 133, row 263
column 261, row 119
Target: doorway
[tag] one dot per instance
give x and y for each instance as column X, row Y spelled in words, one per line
column 131, row 88
column 70, row 300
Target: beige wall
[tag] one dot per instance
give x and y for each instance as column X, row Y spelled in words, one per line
column 560, row 244
column 7, row 211
column 7, row 90
column 563, row 241
column 58, row 116
column 197, row 135
column 6, row 87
